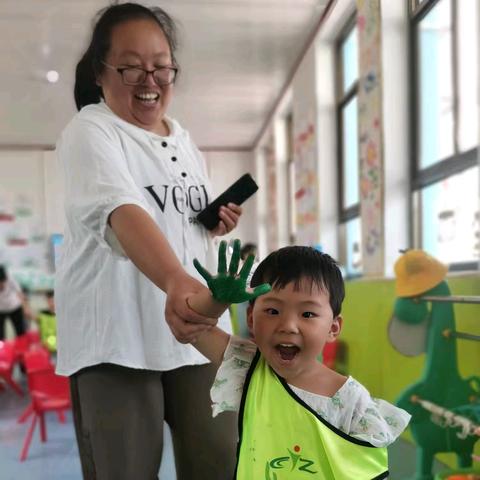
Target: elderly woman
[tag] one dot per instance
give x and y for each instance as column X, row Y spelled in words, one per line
column 134, row 184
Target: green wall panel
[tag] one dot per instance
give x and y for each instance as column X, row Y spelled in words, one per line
column 371, row 358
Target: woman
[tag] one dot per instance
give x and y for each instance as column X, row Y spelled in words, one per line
column 134, row 184
column 12, row 302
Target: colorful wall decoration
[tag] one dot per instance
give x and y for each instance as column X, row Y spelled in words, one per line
column 24, row 248
column 371, row 136
column 306, row 184
column 272, row 210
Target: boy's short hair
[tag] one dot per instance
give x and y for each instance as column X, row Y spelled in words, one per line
column 295, row 264
column 49, row 293
column 3, row 274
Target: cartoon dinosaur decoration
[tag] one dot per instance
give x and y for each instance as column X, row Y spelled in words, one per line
column 418, row 274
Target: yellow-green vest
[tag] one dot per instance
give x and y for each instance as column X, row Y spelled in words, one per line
column 282, row 438
column 48, row 330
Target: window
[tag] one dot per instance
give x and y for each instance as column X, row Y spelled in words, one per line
column 451, row 231
column 444, row 134
column 348, row 159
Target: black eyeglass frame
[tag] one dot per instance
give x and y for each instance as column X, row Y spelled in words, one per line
column 146, row 72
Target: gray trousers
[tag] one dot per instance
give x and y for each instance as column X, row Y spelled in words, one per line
column 119, row 413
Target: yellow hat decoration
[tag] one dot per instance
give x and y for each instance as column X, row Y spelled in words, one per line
column 417, row 272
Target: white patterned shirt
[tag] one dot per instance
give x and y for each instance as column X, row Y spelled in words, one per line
column 108, row 311
column 351, row 409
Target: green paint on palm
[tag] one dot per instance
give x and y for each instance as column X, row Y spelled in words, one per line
column 228, row 286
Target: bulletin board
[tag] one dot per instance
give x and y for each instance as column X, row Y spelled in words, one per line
column 24, row 247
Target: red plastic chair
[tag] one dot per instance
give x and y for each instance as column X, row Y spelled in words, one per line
column 21, row 345
column 33, row 337
column 49, row 392
column 7, row 362
column 38, row 358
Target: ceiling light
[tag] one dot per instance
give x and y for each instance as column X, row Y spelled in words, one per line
column 52, row 76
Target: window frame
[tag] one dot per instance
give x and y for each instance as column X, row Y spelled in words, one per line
column 342, row 99
column 444, row 168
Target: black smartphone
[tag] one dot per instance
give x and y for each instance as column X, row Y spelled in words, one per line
column 237, row 193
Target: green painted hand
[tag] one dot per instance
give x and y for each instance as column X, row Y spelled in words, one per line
column 228, row 286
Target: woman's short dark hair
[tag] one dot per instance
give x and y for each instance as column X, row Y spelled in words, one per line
column 90, row 66
column 296, row 264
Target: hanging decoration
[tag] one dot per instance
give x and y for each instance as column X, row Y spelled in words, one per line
column 371, row 136
column 306, row 184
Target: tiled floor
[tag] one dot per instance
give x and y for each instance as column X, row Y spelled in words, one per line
column 57, row 459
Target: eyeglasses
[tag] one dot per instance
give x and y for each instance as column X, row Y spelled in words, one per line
column 137, row 75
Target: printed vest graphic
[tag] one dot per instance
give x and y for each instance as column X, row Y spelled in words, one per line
column 282, row 438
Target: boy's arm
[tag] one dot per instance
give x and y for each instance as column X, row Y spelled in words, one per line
column 225, row 288
column 204, row 303
column 212, row 344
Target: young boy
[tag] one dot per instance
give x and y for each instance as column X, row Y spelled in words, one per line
column 298, row 419
column 47, row 322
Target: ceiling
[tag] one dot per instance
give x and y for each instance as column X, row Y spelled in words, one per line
column 236, row 57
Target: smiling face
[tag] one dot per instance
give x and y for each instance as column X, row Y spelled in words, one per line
column 138, row 43
column 291, row 326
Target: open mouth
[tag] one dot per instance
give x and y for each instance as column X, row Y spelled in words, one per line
column 286, row 351
column 147, row 98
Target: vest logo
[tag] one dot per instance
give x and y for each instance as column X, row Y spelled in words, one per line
column 294, row 462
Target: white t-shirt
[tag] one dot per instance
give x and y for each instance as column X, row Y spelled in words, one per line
column 351, row 409
column 107, row 310
column 10, row 298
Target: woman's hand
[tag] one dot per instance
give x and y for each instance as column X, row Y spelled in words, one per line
column 185, row 324
column 229, row 216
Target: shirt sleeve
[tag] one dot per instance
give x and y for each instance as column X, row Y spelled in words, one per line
column 378, row 421
column 97, row 178
column 226, row 391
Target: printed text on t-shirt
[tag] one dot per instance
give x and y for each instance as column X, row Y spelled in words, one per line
column 193, row 196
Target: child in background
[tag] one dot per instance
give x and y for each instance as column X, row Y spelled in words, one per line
column 296, row 414
column 11, row 304
column 47, row 323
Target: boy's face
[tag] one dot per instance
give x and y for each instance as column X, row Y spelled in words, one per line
column 291, row 327
column 2, row 285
